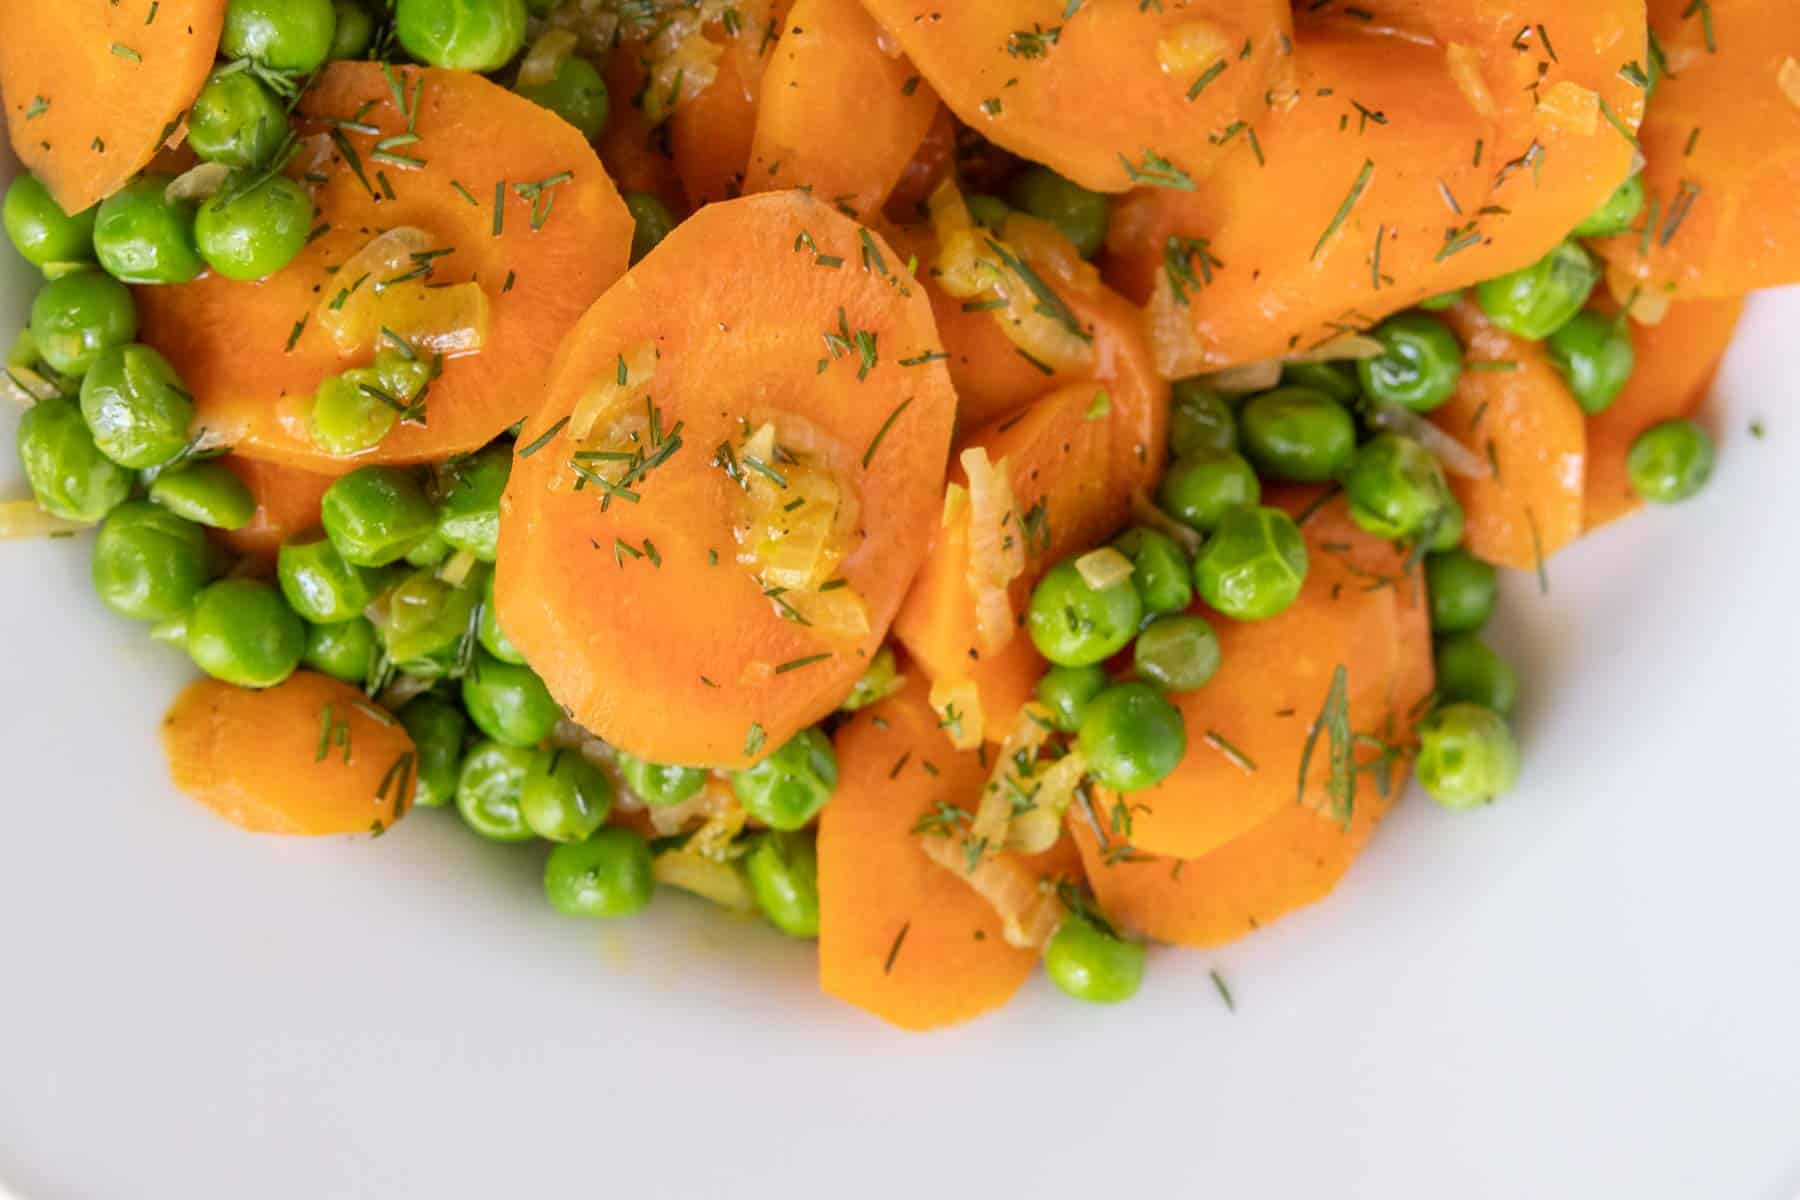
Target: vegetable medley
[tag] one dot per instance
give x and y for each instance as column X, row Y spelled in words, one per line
column 974, row 483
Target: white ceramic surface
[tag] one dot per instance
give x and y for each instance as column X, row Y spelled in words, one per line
column 1591, row 989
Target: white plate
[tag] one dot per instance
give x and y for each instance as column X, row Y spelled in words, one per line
column 1588, row 990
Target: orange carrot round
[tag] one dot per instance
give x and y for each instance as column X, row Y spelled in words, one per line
column 287, row 504
column 630, row 145
column 710, row 134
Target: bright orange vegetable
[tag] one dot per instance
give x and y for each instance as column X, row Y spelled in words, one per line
column 1722, row 144
column 229, row 340
column 309, row 756
column 1513, row 409
column 94, row 88
column 932, row 163
column 287, row 504
column 691, row 654
column 1109, row 94
column 709, row 135
column 1676, row 362
column 629, row 145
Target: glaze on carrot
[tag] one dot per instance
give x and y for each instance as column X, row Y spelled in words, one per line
column 287, row 504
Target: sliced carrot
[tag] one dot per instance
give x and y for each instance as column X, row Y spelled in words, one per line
column 287, row 504
column 1110, row 95
column 1513, row 409
column 1722, row 144
column 838, row 113
column 94, row 88
column 709, row 135
column 252, row 364
column 1676, row 362
column 932, row 163
column 641, row 616
column 900, row 936
column 630, row 145
column 310, row 756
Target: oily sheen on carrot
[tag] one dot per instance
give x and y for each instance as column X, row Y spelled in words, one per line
column 305, row 757
column 253, row 366
column 640, row 615
column 633, row 149
column 900, row 936
column 287, row 504
column 709, row 134
column 93, row 88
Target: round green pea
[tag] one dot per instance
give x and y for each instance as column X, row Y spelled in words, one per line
column 236, row 121
column 1177, row 653
column 463, row 35
column 287, row 35
column 1595, row 355
column 1160, row 570
column 1536, row 301
column 1618, row 213
column 654, row 222
column 429, row 553
column 879, row 681
column 243, row 632
column 427, row 623
column 1452, row 523
column 787, row 789
column 1131, row 737
column 1199, row 419
column 783, row 871
column 1419, row 367
column 207, row 493
column 1081, row 215
column 1671, row 462
column 989, row 212
column 493, row 639
column 1074, row 624
column 1396, row 488
column 577, row 94
column 1253, row 566
column 374, row 515
column 343, row 651
column 469, row 514
column 1463, row 590
column 1335, row 379
column 148, row 563
column 508, row 702
column 142, row 236
column 1469, row 672
column 1067, row 692
column 565, row 798
column 354, row 410
column 1199, row 489
column 68, row 474
column 320, row 585
column 488, row 790
column 354, row 32
column 1092, row 964
column 136, row 406
column 76, row 316
column 659, row 784
column 1467, row 756
column 253, row 234
column 40, row 230
column 1441, row 302
column 609, row 875
column 1298, row 434
column 437, row 727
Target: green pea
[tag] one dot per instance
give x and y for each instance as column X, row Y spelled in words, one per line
column 236, row 121
column 142, row 236
column 249, row 235
column 354, row 410
column 207, row 493
column 1463, row 590
column 1178, row 653
column 1092, row 964
column 1253, row 566
column 989, row 212
column 787, row 789
column 287, row 35
column 464, row 35
column 1160, row 570
column 1441, row 302
column 654, row 223
column 76, row 316
column 1618, row 213
column 136, row 406
column 1671, row 462
column 429, row 553
column 609, row 875
column 1396, row 488
column 1067, row 692
column 1419, row 367
column 508, row 702
column 881, row 680
column 427, row 619
column 1452, row 523
column 374, row 515
column 1595, row 355
column 354, row 32
column 243, row 632
column 437, row 727
column 1132, row 737
column 1335, row 379
column 1467, row 756
column 1469, row 672
column 320, row 585
column 493, row 639
column 469, row 515
column 566, row 797
column 69, row 476
column 1074, row 624
column 1201, row 488
column 149, row 564
column 1298, row 434
column 577, row 94
column 1199, row 419
column 783, row 870
column 658, row 784
column 488, row 790
column 345, row 651
column 1081, row 215
column 1540, row 299
column 40, row 230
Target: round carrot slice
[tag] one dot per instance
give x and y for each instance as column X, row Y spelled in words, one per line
column 287, row 503
column 93, row 88
column 1113, row 96
column 502, row 201
column 309, row 756
column 712, row 520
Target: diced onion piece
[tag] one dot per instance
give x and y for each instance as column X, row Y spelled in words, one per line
column 403, row 689
column 1247, row 378
column 456, row 568
column 383, row 290
column 722, row 883
column 1572, row 106
column 1038, row 829
column 996, row 548
column 1029, row 912
column 1179, row 352
column 1013, row 777
column 197, row 183
column 616, row 392
column 956, row 503
column 958, row 706
column 1465, row 69
column 26, row 387
column 20, row 519
column 1145, row 512
column 1191, row 48
column 793, row 533
column 1049, row 249
column 546, row 57
column 683, row 64
column 1456, row 458
column 725, row 820
column 1103, row 568
column 839, row 614
column 1788, row 76
column 1346, row 347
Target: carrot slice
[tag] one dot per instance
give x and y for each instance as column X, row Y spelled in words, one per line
column 1110, row 95
column 93, row 88
column 1722, row 144
column 838, row 113
column 900, row 936
column 1513, row 409
column 644, row 617
column 710, row 135
column 310, row 756
column 630, row 145
column 932, row 163
column 1676, row 362
column 287, row 503
column 563, row 237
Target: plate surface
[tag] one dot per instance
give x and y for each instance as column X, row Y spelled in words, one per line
column 1589, row 989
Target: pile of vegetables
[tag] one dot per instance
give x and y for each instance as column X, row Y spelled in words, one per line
column 975, row 484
